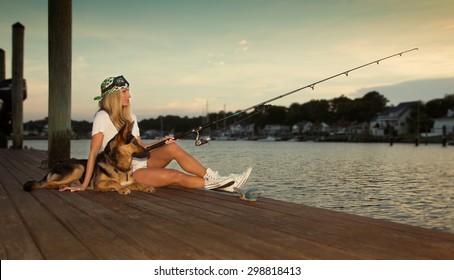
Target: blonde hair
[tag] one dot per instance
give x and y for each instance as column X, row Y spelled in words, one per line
column 119, row 114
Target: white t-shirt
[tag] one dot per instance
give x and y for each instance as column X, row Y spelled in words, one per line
column 102, row 123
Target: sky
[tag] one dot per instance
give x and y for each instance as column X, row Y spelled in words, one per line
column 187, row 57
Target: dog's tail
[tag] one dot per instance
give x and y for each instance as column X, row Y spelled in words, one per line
column 30, row 185
column 33, row 185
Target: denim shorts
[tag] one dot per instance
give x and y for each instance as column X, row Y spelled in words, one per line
column 138, row 163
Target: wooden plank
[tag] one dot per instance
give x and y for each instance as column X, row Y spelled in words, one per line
column 267, row 220
column 154, row 241
column 53, row 239
column 385, row 231
column 300, row 228
column 202, row 236
column 297, row 209
column 332, row 228
column 103, row 243
column 22, row 166
column 215, row 225
column 35, row 160
column 280, row 245
column 16, row 241
column 420, row 242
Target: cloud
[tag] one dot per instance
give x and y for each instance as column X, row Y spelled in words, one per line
column 225, row 56
column 413, row 90
column 243, row 47
column 215, row 59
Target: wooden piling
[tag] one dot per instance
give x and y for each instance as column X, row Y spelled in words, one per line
column 60, row 52
column 17, row 87
column 2, row 65
column 3, row 139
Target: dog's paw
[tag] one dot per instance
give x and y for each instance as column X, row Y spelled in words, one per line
column 149, row 190
column 124, row 191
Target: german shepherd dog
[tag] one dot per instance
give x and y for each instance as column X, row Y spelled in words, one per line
column 112, row 169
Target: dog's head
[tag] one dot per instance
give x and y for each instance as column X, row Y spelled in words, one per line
column 124, row 146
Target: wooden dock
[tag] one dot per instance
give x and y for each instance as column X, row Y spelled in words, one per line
column 176, row 223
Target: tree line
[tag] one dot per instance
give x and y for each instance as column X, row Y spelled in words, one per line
column 340, row 111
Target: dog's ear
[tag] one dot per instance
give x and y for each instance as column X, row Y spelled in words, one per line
column 125, row 130
column 131, row 126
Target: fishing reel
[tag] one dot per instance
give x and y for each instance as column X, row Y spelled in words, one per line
column 201, row 141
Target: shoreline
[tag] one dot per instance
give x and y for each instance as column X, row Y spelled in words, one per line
column 329, row 139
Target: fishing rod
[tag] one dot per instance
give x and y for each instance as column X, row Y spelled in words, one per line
column 200, row 141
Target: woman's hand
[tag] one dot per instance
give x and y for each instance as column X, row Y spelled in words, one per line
column 72, row 189
column 79, row 188
column 169, row 139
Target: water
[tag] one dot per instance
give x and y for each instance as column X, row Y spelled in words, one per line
column 402, row 183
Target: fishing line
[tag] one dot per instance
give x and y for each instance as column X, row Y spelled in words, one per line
column 201, row 141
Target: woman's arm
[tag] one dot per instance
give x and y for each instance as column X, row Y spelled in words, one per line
column 96, row 142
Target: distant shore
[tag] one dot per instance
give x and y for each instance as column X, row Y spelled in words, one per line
column 331, row 138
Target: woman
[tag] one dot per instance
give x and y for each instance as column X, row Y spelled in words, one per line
column 114, row 111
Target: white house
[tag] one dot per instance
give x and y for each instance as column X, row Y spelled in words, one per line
column 395, row 117
column 308, row 127
column 444, row 123
column 302, row 127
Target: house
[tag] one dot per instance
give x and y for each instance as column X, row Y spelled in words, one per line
column 358, row 128
column 444, row 124
column 395, row 118
column 320, row 128
column 309, row 127
column 235, row 131
column 302, row 127
column 275, row 130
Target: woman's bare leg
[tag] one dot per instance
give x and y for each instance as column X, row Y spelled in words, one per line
column 160, row 177
column 162, row 156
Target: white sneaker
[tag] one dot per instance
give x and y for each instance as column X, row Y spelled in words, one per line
column 240, row 181
column 211, row 175
column 214, row 181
